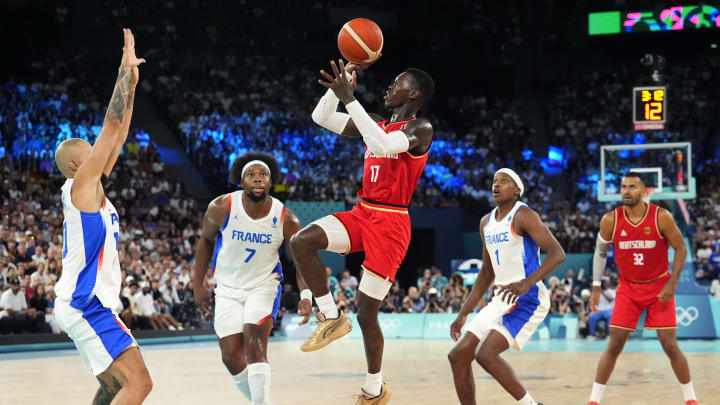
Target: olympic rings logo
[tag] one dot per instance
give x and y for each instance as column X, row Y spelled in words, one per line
column 686, row 317
column 390, row 325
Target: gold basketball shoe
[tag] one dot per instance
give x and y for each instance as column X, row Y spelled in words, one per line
column 327, row 330
column 382, row 399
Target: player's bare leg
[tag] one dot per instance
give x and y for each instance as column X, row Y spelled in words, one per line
column 367, row 317
column 305, row 245
column 461, row 358
column 332, row 324
column 129, row 370
column 256, row 341
column 618, row 337
column 109, row 387
column 232, row 349
column 615, row 346
column 233, row 353
column 678, row 361
column 488, row 356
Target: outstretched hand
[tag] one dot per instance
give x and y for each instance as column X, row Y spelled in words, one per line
column 340, row 85
column 129, row 59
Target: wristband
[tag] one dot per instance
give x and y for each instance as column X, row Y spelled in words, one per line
column 306, row 294
column 597, row 283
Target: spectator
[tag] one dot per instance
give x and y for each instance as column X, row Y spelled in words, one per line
column 15, row 316
column 415, row 301
column 39, row 303
column 332, row 281
column 350, row 280
column 715, row 288
column 438, row 281
column 605, row 307
column 425, row 279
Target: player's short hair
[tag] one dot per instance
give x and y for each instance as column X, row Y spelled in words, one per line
column 636, row 175
column 424, row 82
column 235, row 176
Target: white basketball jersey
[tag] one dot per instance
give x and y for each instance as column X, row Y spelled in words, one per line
column 90, row 263
column 247, row 250
column 513, row 257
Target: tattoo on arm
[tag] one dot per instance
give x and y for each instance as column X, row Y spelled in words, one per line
column 121, row 98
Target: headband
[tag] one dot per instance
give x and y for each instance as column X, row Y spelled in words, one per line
column 253, row 162
column 513, row 176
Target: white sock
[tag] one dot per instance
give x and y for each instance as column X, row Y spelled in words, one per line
column 373, row 383
column 241, row 380
column 597, row 392
column 527, row 400
column 259, row 382
column 688, row 391
column 326, row 305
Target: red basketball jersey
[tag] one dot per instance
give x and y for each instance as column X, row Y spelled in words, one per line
column 391, row 179
column 641, row 253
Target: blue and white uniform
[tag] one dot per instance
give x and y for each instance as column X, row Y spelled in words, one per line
column 514, row 258
column 88, row 291
column 246, row 267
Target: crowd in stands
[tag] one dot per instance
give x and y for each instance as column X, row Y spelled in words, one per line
column 158, row 222
column 228, row 103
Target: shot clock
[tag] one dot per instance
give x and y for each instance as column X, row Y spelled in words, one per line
column 649, row 108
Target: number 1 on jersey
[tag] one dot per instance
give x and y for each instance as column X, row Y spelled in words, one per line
column 252, row 253
column 497, row 256
column 374, row 172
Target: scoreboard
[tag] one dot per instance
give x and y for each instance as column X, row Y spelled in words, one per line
column 649, row 108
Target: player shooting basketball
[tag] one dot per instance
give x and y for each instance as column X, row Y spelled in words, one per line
column 379, row 224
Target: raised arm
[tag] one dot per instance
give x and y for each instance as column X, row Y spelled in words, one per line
column 482, row 283
column 527, row 223
column 86, row 180
column 416, row 136
column 604, row 240
column 669, row 230
column 215, row 218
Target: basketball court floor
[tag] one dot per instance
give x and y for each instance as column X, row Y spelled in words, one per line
column 555, row 372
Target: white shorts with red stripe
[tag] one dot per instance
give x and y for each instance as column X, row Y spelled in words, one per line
column 99, row 334
column 234, row 307
column 516, row 322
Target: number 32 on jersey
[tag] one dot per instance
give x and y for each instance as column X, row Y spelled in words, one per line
column 638, row 259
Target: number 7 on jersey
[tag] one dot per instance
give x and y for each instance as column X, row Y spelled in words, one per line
column 252, row 253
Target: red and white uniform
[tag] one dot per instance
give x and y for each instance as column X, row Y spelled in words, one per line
column 641, row 254
column 380, row 224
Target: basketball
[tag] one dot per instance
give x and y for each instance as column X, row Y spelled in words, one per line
column 360, row 40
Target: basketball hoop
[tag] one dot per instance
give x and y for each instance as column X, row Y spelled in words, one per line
column 648, row 194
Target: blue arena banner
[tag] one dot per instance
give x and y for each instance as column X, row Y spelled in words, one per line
column 694, row 316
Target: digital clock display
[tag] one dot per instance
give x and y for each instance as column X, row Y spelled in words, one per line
column 649, row 107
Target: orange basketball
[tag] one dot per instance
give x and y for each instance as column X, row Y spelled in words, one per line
column 360, row 40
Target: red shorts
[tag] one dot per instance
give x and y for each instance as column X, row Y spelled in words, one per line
column 633, row 298
column 383, row 232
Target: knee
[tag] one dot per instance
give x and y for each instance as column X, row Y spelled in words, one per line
column 233, row 362
column 365, row 320
column 146, row 385
column 671, row 349
column 483, row 358
column 141, row 383
column 304, row 240
column 456, row 358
